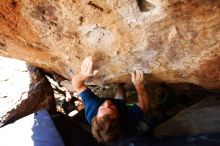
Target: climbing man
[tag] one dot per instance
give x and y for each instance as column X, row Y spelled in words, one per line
column 111, row 119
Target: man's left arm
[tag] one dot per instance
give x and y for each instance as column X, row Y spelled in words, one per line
column 143, row 98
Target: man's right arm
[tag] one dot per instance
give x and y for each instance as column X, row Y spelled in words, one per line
column 85, row 72
column 78, row 83
column 90, row 100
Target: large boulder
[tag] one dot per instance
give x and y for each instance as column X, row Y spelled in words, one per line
column 172, row 41
column 24, row 90
column 202, row 117
column 14, row 86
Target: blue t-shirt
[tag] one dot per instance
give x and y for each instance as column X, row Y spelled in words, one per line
column 132, row 114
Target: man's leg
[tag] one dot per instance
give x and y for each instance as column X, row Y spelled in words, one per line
column 121, row 92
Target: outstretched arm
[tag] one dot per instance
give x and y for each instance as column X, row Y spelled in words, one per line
column 143, row 99
column 85, row 72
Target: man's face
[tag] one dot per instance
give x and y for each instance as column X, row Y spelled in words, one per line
column 107, row 108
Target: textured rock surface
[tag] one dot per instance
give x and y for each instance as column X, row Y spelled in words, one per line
column 14, row 85
column 200, row 118
column 22, row 94
column 172, row 41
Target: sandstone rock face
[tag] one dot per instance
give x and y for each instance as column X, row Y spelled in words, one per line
column 172, row 41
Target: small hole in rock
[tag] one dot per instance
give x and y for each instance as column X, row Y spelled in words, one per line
column 145, row 5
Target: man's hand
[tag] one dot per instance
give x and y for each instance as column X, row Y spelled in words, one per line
column 85, row 72
column 87, row 68
column 137, row 78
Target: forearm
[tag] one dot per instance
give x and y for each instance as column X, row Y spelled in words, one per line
column 78, row 82
column 143, row 99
